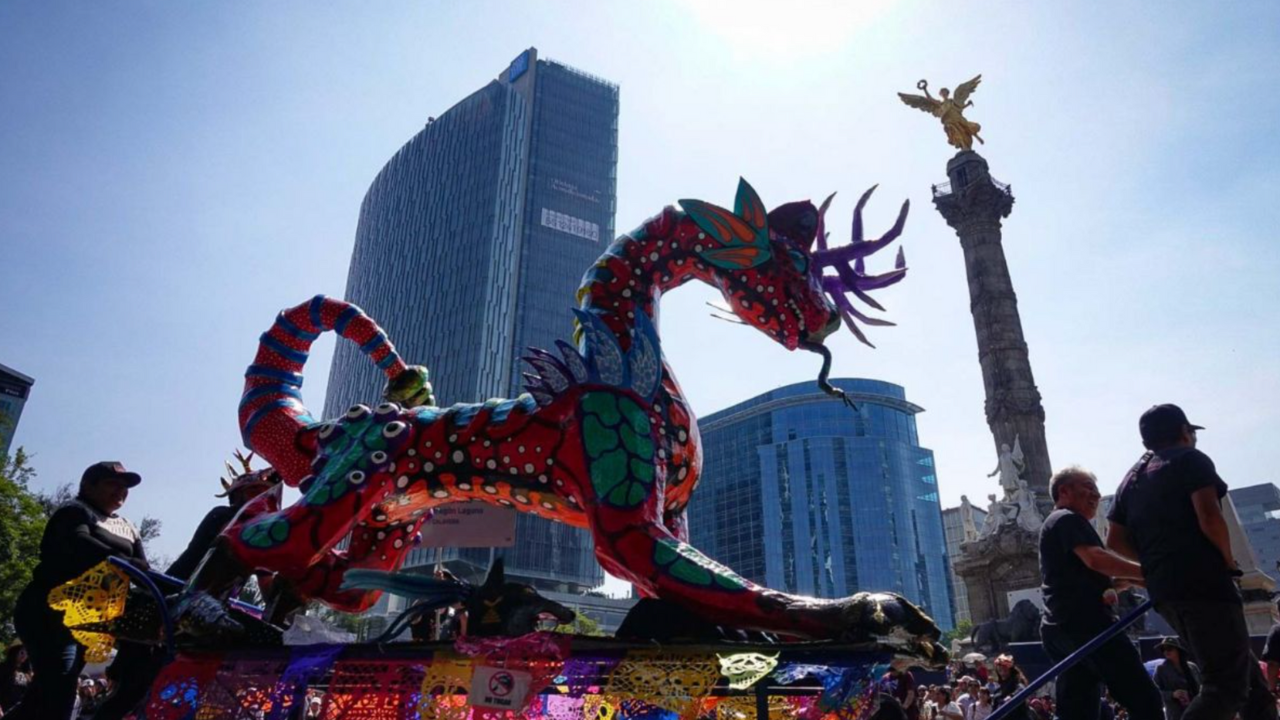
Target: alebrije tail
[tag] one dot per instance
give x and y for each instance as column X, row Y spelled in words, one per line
column 272, row 416
column 433, row 591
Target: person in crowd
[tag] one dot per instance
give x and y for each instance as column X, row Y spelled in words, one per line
column 966, row 690
column 982, row 707
column 1009, row 680
column 314, row 705
column 1271, row 656
column 1077, row 572
column 1107, row 711
column 15, row 675
column 901, row 684
column 79, row 535
column 1177, row 678
column 91, row 694
column 1168, row 515
column 926, row 703
column 1041, row 707
column 947, row 707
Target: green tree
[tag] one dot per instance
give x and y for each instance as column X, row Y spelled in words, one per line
column 581, row 625
column 148, row 529
column 962, row 631
column 53, row 499
column 22, row 520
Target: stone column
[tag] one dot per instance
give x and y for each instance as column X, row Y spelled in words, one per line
column 973, row 205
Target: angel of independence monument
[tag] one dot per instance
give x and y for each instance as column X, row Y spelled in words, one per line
column 1001, row 557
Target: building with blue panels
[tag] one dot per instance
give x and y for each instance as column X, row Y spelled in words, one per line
column 14, row 389
column 1258, row 508
column 471, row 243
column 803, row 494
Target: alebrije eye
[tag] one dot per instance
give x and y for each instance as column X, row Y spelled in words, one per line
column 799, row 260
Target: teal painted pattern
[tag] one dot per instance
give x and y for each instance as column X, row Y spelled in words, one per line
column 686, row 564
column 347, row 464
column 616, row 435
column 265, row 533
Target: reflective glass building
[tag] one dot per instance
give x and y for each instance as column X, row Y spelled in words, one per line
column 14, row 388
column 1258, row 508
column 471, row 243
column 803, row 494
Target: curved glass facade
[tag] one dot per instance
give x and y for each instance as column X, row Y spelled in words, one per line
column 803, row 494
column 471, row 243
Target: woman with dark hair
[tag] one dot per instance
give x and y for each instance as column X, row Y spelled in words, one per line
column 948, row 708
column 79, row 535
column 1009, row 680
column 15, row 675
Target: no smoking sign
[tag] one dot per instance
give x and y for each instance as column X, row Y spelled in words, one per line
column 499, row 688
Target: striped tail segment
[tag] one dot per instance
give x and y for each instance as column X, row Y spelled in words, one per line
column 272, row 416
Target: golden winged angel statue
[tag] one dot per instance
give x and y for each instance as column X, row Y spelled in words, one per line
column 960, row 131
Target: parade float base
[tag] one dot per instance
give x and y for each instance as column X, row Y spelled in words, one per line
column 535, row 677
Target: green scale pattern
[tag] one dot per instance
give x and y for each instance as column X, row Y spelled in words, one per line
column 617, row 437
column 349, row 451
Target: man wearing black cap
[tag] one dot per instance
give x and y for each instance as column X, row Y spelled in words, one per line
column 1168, row 515
column 79, row 535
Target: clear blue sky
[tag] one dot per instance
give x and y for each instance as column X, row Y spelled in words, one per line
column 172, row 174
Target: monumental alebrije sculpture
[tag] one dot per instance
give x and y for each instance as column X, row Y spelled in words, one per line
column 604, row 438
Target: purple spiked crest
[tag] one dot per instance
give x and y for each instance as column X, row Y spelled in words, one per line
column 848, row 262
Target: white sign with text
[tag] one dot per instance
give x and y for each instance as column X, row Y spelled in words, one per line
column 470, row 524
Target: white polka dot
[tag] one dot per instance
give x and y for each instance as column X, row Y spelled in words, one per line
column 458, row 456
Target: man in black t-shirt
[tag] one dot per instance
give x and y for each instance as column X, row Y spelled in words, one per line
column 1077, row 573
column 1168, row 516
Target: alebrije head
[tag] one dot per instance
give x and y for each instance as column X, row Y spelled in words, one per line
column 778, row 275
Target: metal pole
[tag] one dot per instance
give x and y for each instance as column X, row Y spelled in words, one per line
column 1070, row 661
column 140, row 577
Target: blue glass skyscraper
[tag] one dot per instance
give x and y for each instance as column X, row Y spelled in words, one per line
column 471, row 243
column 803, row 494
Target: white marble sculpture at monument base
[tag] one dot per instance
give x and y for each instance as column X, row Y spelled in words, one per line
column 967, row 524
column 1018, row 507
